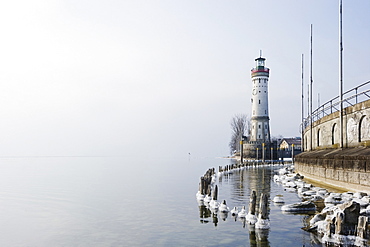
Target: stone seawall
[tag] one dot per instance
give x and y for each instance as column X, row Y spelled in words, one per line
column 347, row 169
column 325, row 132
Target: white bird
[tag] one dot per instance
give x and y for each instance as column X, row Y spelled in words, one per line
column 234, row 211
column 242, row 213
column 223, row 207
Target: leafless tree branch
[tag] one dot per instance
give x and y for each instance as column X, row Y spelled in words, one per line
column 239, row 127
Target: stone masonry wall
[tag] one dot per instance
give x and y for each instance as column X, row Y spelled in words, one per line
column 348, row 169
column 326, row 131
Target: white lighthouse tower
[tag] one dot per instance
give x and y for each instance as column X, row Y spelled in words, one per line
column 260, row 127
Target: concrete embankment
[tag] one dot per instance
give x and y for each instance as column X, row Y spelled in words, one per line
column 347, row 169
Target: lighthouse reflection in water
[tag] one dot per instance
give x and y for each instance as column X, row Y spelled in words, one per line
column 236, row 187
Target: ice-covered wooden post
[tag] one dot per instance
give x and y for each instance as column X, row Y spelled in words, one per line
column 215, row 192
column 339, row 223
column 263, row 222
column 362, row 227
column 201, row 185
column 263, row 207
column 251, row 217
column 252, row 203
column 329, row 226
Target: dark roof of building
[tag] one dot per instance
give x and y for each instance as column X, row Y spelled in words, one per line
column 290, row 141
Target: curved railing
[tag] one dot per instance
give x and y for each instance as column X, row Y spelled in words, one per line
column 351, row 97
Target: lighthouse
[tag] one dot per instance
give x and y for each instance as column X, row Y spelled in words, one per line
column 260, row 127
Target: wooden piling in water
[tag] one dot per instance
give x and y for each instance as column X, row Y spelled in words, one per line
column 252, row 203
column 215, row 193
column 263, row 214
column 362, row 227
column 201, row 186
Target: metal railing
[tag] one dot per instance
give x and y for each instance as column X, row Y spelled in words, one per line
column 351, row 97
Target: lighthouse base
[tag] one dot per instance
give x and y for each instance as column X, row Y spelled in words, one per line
column 256, row 150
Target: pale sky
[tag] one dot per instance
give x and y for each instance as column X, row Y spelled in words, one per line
column 164, row 78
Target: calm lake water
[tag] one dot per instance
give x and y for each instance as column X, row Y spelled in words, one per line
column 126, row 201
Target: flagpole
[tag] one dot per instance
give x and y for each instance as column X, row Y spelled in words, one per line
column 341, row 74
column 311, row 81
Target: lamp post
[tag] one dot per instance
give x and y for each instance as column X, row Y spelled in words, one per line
column 272, row 156
column 241, row 151
column 263, row 152
column 341, row 133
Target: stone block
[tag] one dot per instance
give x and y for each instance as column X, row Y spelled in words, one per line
column 329, row 173
column 320, row 162
column 365, row 179
column 336, row 174
column 342, row 175
column 361, row 165
column 356, row 165
column 354, row 177
column 348, row 165
column 313, row 170
column 367, row 165
column 338, row 164
column 321, row 172
column 330, row 163
column 313, row 162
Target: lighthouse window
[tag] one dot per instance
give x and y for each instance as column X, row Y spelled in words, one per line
column 259, row 101
column 259, row 126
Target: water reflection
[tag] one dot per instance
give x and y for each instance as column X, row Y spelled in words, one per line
column 243, row 182
column 236, row 188
column 246, row 180
column 259, row 237
column 204, row 214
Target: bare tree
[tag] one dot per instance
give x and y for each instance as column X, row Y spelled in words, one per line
column 239, row 127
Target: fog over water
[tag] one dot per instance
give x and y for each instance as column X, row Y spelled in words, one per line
column 117, row 201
